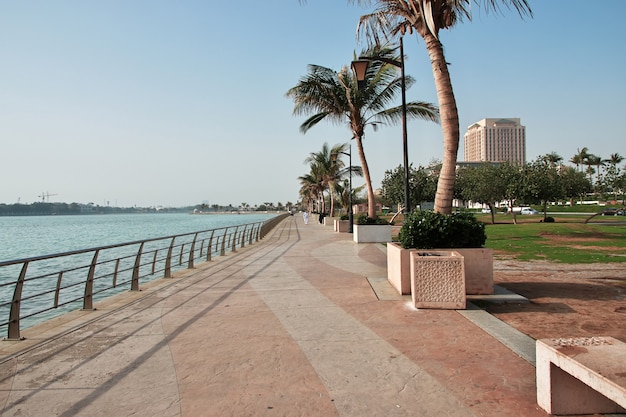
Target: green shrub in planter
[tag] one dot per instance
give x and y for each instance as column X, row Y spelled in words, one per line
column 428, row 230
column 363, row 219
column 345, row 217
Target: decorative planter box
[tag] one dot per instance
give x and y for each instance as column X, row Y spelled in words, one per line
column 437, row 279
column 342, row 226
column 372, row 233
column 478, row 266
column 478, row 270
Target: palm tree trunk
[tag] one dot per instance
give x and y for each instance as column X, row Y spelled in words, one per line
column 371, row 208
column 449, row 117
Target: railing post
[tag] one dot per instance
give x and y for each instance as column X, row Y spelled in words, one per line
column 154, row 259
column 117, row 268
column 210, row 248
column 243, row 236
column 13, row 331
column 223, row 250
column 88, row 298
column 250, row 234
column 233, row 241
column 168, row 260
column 193, row 248
column 58, row 290
column 134, row 286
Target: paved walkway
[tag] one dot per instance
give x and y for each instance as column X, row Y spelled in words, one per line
column 290, row 326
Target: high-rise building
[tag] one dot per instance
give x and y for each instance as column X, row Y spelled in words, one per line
column 495, row 140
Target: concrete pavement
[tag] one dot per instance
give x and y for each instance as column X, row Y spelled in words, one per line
column 300, row 324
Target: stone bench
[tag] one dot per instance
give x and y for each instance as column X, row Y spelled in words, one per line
column 584, row 375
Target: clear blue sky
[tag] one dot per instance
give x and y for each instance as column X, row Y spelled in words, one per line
column 153, row 102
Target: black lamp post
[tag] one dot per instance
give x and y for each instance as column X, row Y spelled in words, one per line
column 350, row 214
column 360, row 67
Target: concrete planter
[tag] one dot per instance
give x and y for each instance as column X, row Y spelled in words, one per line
column 399, row 267
column 478, row 266
column 372, row 233
column 330, row 221
column 342, row 226
column 437, row 279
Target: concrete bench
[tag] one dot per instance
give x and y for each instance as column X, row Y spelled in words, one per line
column 584, row 375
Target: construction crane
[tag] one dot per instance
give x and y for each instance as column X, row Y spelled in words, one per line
column 45, row 196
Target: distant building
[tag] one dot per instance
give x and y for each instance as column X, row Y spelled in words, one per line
column 495, row 140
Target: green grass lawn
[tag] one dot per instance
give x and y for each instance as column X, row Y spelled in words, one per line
column 568, row 240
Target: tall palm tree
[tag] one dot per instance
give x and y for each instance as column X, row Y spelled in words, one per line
column 330, row 95
column 311, row 188
column 393, row 18
column 615, row 159
column 579, row 158
column 594, row 161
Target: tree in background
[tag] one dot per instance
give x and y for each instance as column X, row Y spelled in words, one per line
column 327, row 170
column 613, row 178
column 342, row 191
column 422, row 186
column 541, row 183
column 575, row 184
column 482, row 184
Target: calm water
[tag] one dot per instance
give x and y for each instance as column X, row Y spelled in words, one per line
column 27, row 236
column 30, row 236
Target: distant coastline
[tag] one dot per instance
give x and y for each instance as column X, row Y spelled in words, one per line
column 78, row 209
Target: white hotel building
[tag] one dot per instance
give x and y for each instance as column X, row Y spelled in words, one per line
column 495, row 140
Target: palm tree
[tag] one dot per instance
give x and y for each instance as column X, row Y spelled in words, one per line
column 553, row 159
column 594, row 161
column 615, row 159
column 311, row 188
column 327, row 170
column 580, row 157
column 342, row 190
column 334, row 96
column 393, row 18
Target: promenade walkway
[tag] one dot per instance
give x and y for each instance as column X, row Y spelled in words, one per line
column 290, row 326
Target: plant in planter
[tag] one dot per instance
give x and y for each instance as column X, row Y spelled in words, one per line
column 430, row 230
column 364, row 220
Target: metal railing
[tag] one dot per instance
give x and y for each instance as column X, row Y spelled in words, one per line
column 43, row 287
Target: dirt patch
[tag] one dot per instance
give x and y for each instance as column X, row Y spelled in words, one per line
column 581, row 300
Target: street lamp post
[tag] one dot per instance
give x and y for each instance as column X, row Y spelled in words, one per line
column 360, row 67
column 350, row 214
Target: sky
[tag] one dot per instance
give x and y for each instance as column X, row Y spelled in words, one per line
column 177, row 103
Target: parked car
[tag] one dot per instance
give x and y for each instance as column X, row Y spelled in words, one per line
column 528, row 210
column 486, row 210
column 609, row 212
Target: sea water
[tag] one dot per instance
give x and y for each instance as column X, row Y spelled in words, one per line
column 30, row 236
column 27, row 236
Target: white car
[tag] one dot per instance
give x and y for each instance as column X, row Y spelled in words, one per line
column 486, row 210
column 528, row 210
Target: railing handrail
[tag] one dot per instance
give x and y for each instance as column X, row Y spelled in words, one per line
column 113, row 246
column 176, row 251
